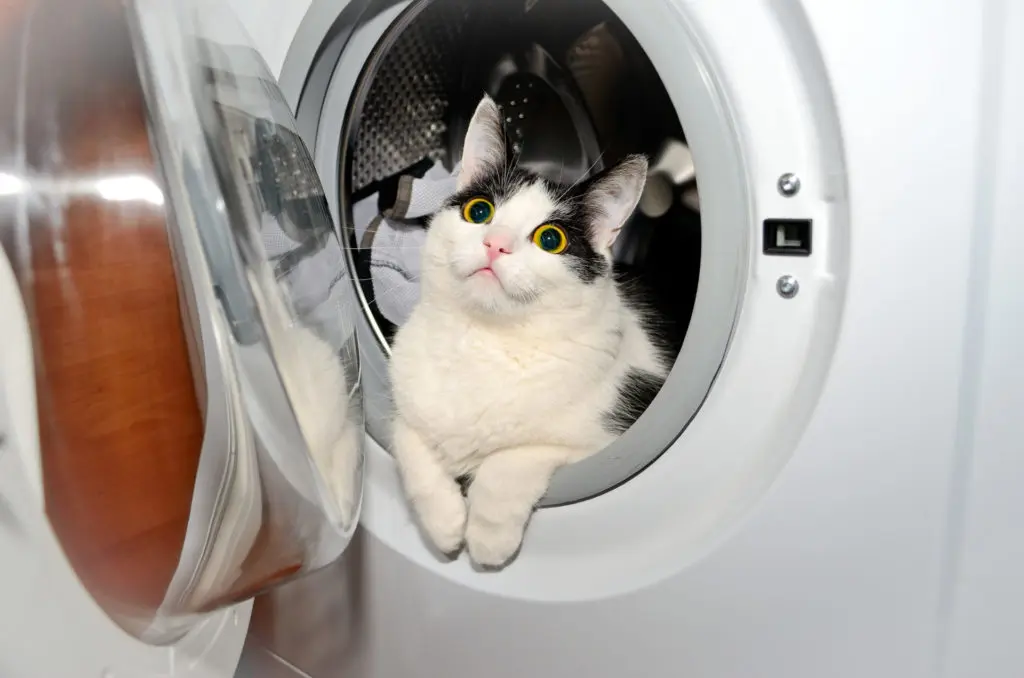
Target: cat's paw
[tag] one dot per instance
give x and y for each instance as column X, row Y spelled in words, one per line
column 492, row 545
column 443, row 517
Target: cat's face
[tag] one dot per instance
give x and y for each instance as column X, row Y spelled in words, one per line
column 510, row 242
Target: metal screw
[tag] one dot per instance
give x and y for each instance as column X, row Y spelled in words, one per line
column 789, row 184
column 787, row 287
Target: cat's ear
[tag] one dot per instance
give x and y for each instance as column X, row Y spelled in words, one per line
column 484, row 149
column 613, row 196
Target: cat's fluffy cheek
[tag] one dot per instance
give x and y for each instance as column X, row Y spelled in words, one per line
column 457, row 245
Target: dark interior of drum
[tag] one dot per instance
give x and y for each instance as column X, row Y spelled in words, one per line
column 597, row 99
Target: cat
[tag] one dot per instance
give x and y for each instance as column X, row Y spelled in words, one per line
column 525, row 353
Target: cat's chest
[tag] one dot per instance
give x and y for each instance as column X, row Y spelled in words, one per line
column 479, row 370
column 473, row 391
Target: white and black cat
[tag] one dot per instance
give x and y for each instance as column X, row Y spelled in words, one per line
column 524, row 353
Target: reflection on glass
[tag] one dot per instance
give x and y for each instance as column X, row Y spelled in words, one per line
column 198, row 381
column 130, row 188
column 280, row 475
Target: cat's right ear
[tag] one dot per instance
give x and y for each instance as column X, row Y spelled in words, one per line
column 484, row 149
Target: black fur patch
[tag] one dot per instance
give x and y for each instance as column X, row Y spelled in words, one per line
column 464, row 482
column 575, row 215
column 655, row 316
column 636, row 392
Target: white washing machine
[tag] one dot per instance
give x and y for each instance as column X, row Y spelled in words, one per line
column 828, row 483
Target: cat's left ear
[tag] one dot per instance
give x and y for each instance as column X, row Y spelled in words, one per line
column 613, row 196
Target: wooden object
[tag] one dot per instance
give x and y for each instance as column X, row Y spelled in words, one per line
column 120, row 425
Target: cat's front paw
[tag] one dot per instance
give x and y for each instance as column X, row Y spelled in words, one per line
column 443, row 517
column 493, row 544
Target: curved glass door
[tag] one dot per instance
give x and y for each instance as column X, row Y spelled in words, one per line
column 197, row 377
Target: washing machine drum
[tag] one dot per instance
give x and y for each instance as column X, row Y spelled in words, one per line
column 578, row 93
column 266, row 361
column 576, row 89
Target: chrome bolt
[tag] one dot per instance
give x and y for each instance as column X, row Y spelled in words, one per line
column 789, row 184
column 787, row 287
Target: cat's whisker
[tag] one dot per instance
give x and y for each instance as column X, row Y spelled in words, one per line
column 582, row 177
column 384, row 248
column 379, row 246
column 375, row 299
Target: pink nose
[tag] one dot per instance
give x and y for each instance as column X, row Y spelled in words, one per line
column 497, row 245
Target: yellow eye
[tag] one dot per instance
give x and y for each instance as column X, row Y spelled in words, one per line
column 478, row 211
column 551, row 238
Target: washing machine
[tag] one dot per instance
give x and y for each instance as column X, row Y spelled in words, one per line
column 195, row 477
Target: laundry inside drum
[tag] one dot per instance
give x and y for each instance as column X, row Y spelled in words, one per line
column 577, row 93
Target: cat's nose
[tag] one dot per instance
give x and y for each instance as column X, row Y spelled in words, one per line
column 496, row 245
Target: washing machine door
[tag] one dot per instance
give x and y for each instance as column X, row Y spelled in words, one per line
column 181, row 395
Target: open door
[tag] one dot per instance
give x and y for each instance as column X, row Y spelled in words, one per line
column 198, row 424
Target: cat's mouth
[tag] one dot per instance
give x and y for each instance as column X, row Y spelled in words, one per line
column 485, row 272
column 487, row 276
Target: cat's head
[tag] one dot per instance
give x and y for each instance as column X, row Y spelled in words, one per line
column 509, row 242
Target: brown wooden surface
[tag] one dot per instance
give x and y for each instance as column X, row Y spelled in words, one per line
column 119, row 423
column 120, row 427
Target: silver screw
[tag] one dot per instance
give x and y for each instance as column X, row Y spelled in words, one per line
column 789, row 184
column 787, row 287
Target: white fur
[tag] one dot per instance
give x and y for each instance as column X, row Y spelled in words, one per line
column 506, row 377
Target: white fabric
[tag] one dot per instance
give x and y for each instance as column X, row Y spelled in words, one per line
column 395, row 250
column 395, row 244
